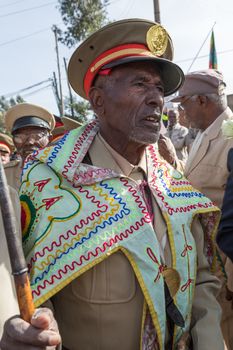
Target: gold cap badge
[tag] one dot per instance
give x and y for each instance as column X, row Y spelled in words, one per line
column 157, row 40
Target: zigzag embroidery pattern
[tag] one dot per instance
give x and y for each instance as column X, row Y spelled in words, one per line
column 45, row 154
column 77, row 235
column 108, row 221
column 111, row 219
column 169, row 182
column 85, row 177
column 27, row 165
column 101, row 209
column 83, row 139
column 180, row 209
column 137, row 199
column 173, row 194
column 30, row 160
column 98, row 250
column 56, row 148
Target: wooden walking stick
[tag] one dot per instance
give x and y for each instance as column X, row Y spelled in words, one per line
column 18, row 263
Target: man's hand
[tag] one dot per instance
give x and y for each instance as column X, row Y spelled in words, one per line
column 166, row 149
column 42, row 333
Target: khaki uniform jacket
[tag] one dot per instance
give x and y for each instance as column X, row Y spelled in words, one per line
column 13, row 174
column 102, row 309
column 8, row 302
column 208, row 172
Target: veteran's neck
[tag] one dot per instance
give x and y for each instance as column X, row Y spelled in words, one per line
column 130, row 150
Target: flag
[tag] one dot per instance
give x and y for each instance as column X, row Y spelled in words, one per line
column 213, row 64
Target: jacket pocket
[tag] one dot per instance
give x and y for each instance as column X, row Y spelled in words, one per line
column 111, row 281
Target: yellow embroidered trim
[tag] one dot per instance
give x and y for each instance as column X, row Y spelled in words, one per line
column 117, row 54
column 69, row 279
column 147, row 297
column 143, row 321
column 148, row 301
column 115, row 208
column 201, row 211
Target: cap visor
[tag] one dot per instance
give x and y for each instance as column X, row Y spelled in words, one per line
column 29, row 121
column 177, row 99
column 172, row 75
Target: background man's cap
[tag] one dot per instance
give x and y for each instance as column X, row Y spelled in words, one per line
column 58, row 130
column 121, row 42
column 209, row 81
column 70, row 124
column 26, row 114
column 66, row 124
column 6, row 143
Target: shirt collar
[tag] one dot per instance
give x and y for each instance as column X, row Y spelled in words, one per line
column 126, row 167
column 227, row 113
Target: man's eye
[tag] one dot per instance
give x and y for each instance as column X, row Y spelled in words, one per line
column 160, row 88
column 139, row 83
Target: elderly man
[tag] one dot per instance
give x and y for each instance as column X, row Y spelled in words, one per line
column 204, row 100
column 6, row 147
column 106, row 222
column 177, row 133
column 30, row 126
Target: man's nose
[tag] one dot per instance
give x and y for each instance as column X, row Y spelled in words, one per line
column 31, row 139
column 154, row 97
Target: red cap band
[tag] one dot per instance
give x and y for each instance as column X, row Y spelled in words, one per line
column 3, row 145
column 111, row 55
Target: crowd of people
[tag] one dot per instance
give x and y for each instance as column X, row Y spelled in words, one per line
column 126, row 220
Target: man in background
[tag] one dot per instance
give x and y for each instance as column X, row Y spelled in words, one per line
column 204, row 101
column 30, row 126
column 177, row 133
column 6, row 148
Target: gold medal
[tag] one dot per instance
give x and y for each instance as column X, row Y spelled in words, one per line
column 172, row 278
column 157, row 39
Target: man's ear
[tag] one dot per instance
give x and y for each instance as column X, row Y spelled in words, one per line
column 202, row 99
column 96, row 98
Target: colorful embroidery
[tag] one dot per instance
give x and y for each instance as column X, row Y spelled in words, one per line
column 87, row 213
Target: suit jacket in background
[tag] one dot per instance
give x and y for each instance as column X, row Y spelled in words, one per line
column 208, row 170
column 225, row 231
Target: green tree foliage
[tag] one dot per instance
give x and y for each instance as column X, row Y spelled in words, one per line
column 5, row 104
column 81, row 18
column 79, row 110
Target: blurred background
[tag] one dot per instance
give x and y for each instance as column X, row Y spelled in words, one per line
column 37, row 38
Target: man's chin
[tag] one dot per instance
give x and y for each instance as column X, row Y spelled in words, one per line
column 145, row 139
column 28, row 151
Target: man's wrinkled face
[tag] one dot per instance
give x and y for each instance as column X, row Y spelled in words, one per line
column 193, row 112
column 173, row 117
column 133, row 102
column 29, row 139
column 5, row 156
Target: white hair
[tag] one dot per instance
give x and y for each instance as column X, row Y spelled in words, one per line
column 220, row 100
